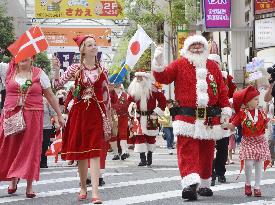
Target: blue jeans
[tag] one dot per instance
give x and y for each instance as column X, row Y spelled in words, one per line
column 168, row 132
column 273, row 133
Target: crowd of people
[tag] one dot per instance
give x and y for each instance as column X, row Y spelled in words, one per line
column 95, row 116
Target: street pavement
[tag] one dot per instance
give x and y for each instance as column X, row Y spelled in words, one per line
column 126, row 183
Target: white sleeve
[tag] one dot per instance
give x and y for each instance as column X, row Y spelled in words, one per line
column 44, row 80
column 3, row 69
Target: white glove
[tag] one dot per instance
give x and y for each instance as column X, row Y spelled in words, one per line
column 224, row 121
column 158, row 56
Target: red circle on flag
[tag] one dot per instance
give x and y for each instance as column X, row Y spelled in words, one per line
column 135, row 48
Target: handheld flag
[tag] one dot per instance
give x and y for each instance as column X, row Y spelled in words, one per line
column 137, row 45
column 28, row 44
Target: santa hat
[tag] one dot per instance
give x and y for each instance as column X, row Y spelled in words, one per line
column 242, row 97
column 191, row 40
column 80, row 39
column 142, row 73
column 215, row 57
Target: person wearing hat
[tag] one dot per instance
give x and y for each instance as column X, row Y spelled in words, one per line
column 203, row 107
column 218, row 169
column 254, row 146
column 121, row 109
column 87, row 123
column 146, row 104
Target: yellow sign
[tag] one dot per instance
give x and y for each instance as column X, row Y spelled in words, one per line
column 182, row 35
column 84, row 9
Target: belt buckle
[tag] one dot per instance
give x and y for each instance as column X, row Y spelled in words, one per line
column 201, row 113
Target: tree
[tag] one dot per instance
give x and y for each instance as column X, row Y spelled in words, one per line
column 7, row 35
column 42, row 61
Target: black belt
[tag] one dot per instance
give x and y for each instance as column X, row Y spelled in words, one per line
column 200, row 112
column 145, row 113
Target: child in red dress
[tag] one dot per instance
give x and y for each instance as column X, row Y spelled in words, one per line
column 254, row 146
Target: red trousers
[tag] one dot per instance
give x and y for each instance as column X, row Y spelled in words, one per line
column 144, row 143
column 195, row 160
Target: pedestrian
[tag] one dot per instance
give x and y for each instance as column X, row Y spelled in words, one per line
column 48, row 130
column 254, row 149
column 147, row 103
column 20, row 152
column 219, row 162
column 166, row 122
column 203, row 107
column 88, row 121
column 121, row 109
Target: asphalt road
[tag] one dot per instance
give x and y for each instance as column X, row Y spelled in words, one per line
column 126, row 183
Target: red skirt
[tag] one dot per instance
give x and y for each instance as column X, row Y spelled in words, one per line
column 83, row 133
column 254, row 148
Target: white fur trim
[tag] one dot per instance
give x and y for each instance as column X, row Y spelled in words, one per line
column 143, row 125
column 124, row 146
column 198, row 130
column 114, row 147
column 191, row 40
column 205, row 183
column 143, row 74
column 159, row 111
column 201, row 86
column 224, row 74
column 190, row 179
column 130, row 109
column 151, row 147
column 227, row 111
column 215, row 57
column 139, row 148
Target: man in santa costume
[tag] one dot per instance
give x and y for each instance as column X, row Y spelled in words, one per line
column 146, row 103
column 218, row 169
column 121, row 109
column 203, row 107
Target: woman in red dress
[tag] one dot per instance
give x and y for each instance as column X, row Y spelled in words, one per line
column 84, row 130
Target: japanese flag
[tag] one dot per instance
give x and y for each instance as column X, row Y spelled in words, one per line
column 137, row 45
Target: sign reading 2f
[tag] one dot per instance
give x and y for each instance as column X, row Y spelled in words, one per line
column 217, row 1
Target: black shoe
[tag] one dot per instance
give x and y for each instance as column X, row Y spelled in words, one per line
column 123, row 156
column 142, row 164
column 101, row 182
column 43, row 166
column 205, row 192
column 116, row 157
column 142, row 159
column 222, row 179
column 149, row 158
column 190, row 192
column 213, row 182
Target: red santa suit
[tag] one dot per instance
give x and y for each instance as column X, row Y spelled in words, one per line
column 146, row 114
column 198, row 84
column 121, row 108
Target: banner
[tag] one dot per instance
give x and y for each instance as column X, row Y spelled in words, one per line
column 85, row 9
column 217, row 13
column 182, row 35
column 65, row 58
column 61, row 39
column 264, row 6
column 265, row 33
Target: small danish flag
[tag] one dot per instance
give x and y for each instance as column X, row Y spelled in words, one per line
column 28, row 44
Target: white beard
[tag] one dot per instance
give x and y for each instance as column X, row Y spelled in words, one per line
column 141, row 91
column 198, row 60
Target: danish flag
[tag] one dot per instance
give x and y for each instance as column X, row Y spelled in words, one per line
column 28, row 44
